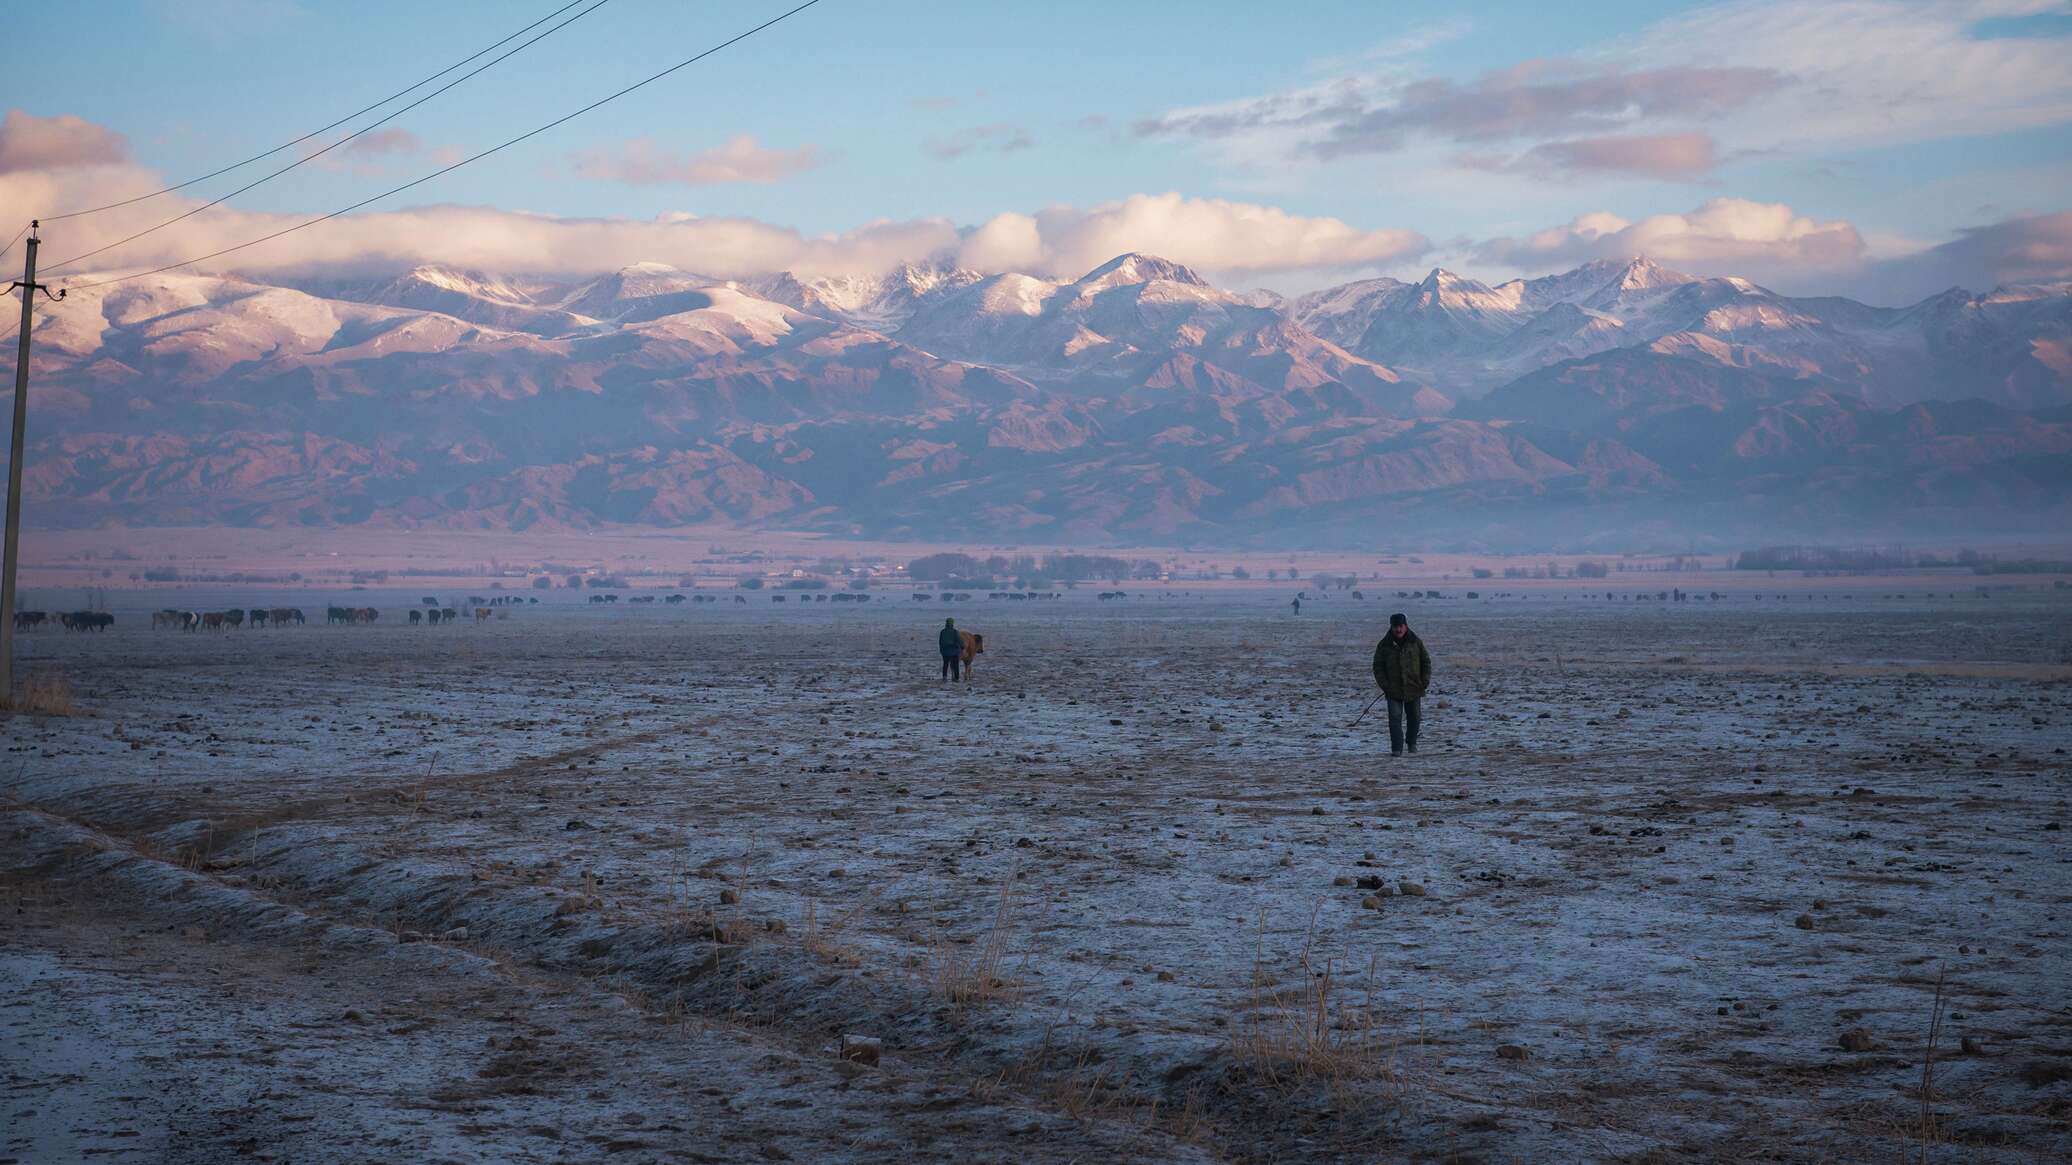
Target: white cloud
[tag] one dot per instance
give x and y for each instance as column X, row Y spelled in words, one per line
column 640, row 162
column 1007, row 242
column 1724, row 236
column 1873, row 72
column 485, row 237
column 1237, row 240
column 386, row 152
column 1752, row 76
column 1791, row 252
column 2025, row 249
column 28, row 142
column 1000, row 137
column 1681, row 155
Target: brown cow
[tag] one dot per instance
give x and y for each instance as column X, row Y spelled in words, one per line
column 974, row 644
column 482, row 613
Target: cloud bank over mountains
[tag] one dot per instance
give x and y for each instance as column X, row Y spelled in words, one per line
column 52, row 164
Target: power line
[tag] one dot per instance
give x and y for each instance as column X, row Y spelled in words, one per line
column 16, row 239
column 464, row 161
column 321, row 130
column 334, row 145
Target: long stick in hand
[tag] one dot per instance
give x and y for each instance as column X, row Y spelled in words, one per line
column 1364, row 711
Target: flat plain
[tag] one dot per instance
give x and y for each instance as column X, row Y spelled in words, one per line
column 1774, row 877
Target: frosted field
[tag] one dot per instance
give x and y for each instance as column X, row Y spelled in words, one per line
column 1671, row 882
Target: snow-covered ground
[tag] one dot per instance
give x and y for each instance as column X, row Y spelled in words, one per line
column 1670, row 881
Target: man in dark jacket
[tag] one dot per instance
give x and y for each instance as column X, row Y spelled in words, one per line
column 951, row 644
column 1403, row 669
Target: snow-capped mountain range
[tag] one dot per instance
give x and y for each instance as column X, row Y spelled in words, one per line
column 1134, row 402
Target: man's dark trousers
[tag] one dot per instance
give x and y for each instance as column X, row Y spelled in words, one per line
column 950, row 665
column 1404, row 719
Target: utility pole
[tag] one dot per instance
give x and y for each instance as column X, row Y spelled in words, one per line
column 29, row 288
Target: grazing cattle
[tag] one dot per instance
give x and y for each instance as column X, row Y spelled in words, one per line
column 416, row 616
column 974, row 644
column 85, row 620
column 336, row 615
column 212, row 621
column 235, row 617
column 165, row 618
column 673, row 599
column 23, row 620
column 482, row 614
column 448, row 614
column 428, row 601
column 258, row 616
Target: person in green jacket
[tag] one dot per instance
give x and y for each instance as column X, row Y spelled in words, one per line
column 1403, row 669
column 951, row 644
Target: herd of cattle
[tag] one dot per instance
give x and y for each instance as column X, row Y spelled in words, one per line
column 672, row 600
column 257, row 616
column 69, row 620
column 225, row 620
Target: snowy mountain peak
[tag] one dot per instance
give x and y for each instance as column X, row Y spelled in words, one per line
column 1641, row 273
column 924, row 278
column 1442, row 285
column 879, row 302
column 1136, row 267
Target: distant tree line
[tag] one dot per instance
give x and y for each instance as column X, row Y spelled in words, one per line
column 168, row 574
column 953, row 571
column 1869, row 558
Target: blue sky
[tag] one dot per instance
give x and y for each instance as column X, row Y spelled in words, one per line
column 902, row 110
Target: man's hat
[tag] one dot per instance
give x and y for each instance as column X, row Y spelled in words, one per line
column 1397, row 620
column 949, row 622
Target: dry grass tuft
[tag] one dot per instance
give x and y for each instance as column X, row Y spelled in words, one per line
column 43, row 696
column 1308, row 1032
column 822, row 937
column 973, row 973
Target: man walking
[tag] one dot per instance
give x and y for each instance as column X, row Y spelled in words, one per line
column 951, row 644
column 1403, row 669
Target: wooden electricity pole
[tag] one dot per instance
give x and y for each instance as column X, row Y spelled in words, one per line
column 29, row 288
